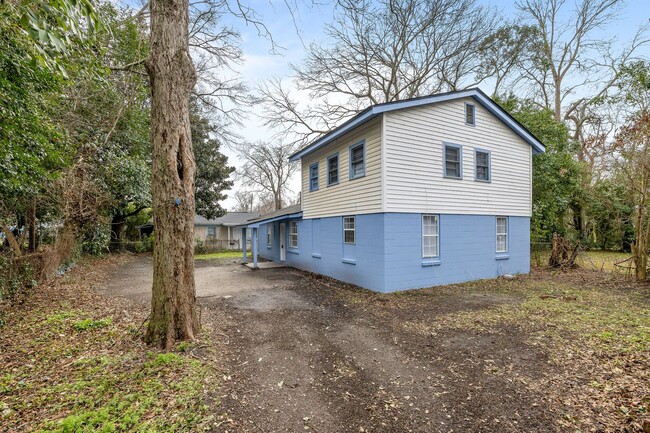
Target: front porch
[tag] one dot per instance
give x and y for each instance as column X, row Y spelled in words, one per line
column 281, row 217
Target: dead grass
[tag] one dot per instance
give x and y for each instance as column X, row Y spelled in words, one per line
column 594, row 325
column 73, row 361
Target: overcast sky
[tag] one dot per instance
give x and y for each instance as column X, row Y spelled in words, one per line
column 294, row 24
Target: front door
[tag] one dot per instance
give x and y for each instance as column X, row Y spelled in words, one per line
column 283, row 241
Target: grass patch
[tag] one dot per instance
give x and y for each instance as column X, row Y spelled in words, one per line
column 221, row 255
column 86, row 370
column 88, row 324
column 602, row 260
column 592, row 260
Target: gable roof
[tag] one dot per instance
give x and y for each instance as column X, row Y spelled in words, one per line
column 230, row 219
column 375, row 110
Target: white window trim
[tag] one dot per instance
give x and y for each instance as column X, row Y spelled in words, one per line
column 353, row 230
column 293, row 237
column 502, row 251
column 269, row 235
column 437, row 236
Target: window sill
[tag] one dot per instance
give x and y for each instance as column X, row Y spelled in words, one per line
column 349, row 261
column 313, row 190
column 294, row 251
column 332, row 184
column 453, row 177
column 483, row 181
column 269, row 246
column 316, row 256
column 428, row 263
column 358, row 177
column 502, row 256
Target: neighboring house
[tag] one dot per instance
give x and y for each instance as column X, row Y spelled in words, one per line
column 227, row 229
column 409, row 194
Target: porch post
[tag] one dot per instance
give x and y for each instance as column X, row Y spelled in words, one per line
column 254, row 242
column 243, row 235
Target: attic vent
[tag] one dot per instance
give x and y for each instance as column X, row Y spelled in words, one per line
column 470, row 114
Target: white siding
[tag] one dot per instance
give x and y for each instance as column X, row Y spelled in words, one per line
column 357, row 196
column 414, row 163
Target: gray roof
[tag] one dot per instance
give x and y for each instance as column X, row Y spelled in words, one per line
column 376, row 110
column 230, row 219
column 296, row 208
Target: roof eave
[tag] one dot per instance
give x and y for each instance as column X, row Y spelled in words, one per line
column 372, row 112
column 256, row 224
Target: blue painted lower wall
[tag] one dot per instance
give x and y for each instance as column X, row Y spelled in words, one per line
column 387, row 254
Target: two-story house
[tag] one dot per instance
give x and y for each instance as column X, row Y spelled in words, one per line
column 410, row 194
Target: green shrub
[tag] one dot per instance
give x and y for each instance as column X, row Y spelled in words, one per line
column 144, row 244
column 95, row 240
column 199, row 247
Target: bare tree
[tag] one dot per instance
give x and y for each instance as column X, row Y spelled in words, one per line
column 570, row 58
column 379, row 52
column 574, row 69
column 266, row 170
column 215, row 50
column 633, row 149
column 245, row 201
column 172, row 76
column 505, row 54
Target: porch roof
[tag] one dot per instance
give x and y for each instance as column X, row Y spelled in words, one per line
column 290, row 212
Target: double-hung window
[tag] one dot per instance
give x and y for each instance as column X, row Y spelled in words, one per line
column 313, row 177
column 453, row 161
column 470, row 114
column 349, row 224
column 269, row 235
column 482, row 160
column 333, row 169
column 502, row 234
column 430, row 244
column 212, row 232
column 357, row 160
column 293, row 234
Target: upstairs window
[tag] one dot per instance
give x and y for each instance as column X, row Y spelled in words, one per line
column 293, row 234
column 470, row 114
column 430, row 236
column 313, row 177
column 357, row 160
column 482, row 159
column 333, row 169
column 502, row 234
column 452, row 161
column 349, row 223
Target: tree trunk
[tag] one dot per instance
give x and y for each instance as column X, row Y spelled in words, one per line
column 31, row 226
column 172, row 75
column 117, row 228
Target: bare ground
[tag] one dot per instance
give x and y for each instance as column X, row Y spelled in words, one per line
column 325, row 364
column 306, row 353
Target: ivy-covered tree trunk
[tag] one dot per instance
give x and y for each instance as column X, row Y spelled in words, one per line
column 172, row 76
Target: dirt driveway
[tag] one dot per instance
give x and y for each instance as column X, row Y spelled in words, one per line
column 333, row 358
column 305, row 353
